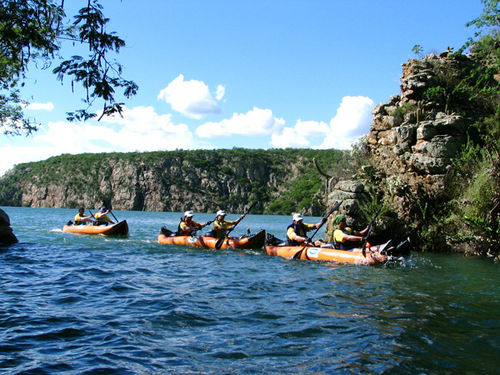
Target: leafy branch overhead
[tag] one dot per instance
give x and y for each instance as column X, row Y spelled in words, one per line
column 32, row 35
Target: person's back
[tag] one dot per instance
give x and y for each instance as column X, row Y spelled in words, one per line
column 81, row 218
column 102, row 217
column 343, row 236
column 296, row 232
column 221, row 225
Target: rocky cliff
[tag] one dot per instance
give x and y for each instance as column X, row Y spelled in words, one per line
column 412, row 147
column 413, row 139
column 281, row 181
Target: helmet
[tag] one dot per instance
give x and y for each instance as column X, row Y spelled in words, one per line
column 221, row 213
column 188, row 214
column 297, row 217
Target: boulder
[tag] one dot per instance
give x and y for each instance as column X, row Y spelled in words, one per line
column 7, row 237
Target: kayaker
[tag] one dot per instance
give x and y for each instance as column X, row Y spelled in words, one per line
column 188, row 226
column 81, row 218
column 102, row 216
column 347, row 239
column 296, row 232
column 220, row 225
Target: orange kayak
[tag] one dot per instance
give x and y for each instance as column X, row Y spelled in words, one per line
column 255, row 241
column 118, row 229
column 326, row 254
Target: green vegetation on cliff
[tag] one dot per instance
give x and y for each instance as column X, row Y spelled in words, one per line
column 282, row 181
column 466, row 215
column 474, row 215
column 470, row 219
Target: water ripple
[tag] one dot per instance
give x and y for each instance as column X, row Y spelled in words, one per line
column 90, row 305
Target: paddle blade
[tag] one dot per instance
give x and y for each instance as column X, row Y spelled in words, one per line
column 219, row 243
column 334, row 209
column 299, row 253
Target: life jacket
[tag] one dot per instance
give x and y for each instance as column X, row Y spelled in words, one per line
column 219, row 228
column 348, row 245
column 78, row 219
column 102, row 218
column 300, row 230
column 181, row 232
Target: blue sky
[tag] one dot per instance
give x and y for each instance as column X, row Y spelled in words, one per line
column 238, row 73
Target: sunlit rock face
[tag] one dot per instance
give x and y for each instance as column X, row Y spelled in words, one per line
column 412, row 141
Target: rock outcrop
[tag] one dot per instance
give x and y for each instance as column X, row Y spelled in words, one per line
column 412, row 142
column 7, row 237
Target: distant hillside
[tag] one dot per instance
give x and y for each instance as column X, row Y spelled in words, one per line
column 282, row 181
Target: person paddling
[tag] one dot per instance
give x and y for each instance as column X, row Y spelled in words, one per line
column 188, row 226
column 81, row 218
column 102, row 216
column 347, row 239
column 220, row 225
column 296, row 232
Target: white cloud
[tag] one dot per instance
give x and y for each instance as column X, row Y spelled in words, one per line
column 40, row 106
column 298, row 135
column 311, row 128
column 353, row 119
column 256, row 122
column 289, row 137
column 220, row 92
column 191, row 98
column 13, row 154
column 140, row 129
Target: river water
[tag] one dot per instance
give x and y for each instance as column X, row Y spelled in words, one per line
column 80, row 304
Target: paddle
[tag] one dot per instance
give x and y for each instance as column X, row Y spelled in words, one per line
column 110, row 209
column 207, row 223
column 323, row 221
column 111, row 212
column 370, row 227
column 220, row 241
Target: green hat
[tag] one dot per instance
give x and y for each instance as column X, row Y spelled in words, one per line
column 338, row 219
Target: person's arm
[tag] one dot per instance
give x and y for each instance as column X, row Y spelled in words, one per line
column 363, row 232
column 238, row 220
column 343, row 237
column 310, row 227
column 350, row 237
column 108, row 219
column 196, row 225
